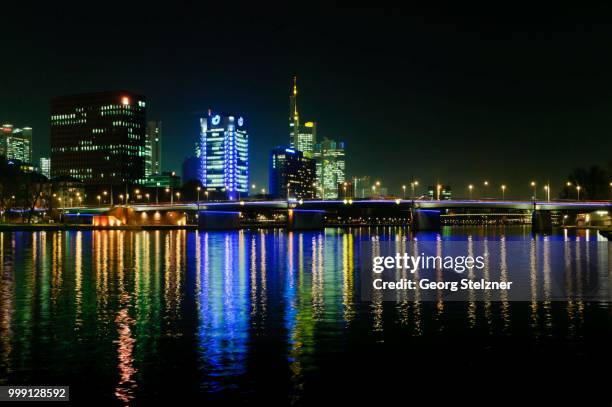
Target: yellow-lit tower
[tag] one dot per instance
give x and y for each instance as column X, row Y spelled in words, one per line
column 302, row 137
column 294, row 117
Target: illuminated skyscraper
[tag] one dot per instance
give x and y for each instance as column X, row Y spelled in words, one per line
column 291, row 172
column 302, row 137
column 7, row 130
column 99, row 138
column 45, row 166
column 362, row 186
column 224, row 155
column 153, row 159
column 329, row 156
column 16, row 144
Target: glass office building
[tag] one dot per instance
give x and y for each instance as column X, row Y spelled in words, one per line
column 16, row 143
column 153, row 148
column 45, row 166
column 224, row 155
column 99, row 138
column 331, row 169
column 19, row 145
column 362, row 186
column 291, row 174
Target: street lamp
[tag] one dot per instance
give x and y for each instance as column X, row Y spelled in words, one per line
column 547, row 189
column 121, row 197
column 169, row 190
column 486, row 187
column 568, row 184
column 404, row 190
column 99, row 199
column 503, row 188
column 533, row 185
column 412, row 185
column 178, row 196
column 470, row 187
column 148, row 198
column 578, row 191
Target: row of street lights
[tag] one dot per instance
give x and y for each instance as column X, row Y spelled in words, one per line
column 503, row 189
column 375, row 188
column 533, row 185
column 124, row 197
column 413, row 184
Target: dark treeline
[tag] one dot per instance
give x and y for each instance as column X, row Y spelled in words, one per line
column 594, row 182
column 20, row 189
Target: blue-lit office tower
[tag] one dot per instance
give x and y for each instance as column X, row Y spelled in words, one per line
column 224, row 155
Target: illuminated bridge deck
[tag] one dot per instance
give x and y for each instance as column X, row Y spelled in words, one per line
column 332, row 205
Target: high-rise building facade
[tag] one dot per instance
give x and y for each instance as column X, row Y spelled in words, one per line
column 331, row 168
column 7, row 129
column 302, row 136
column 291, row 174
column 99, row 138
column 16, row 143
column 45, row 166
column 153, row 160
column 362, row 186
column 224, row 155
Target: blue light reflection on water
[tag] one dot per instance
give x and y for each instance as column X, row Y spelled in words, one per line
column 237, row 313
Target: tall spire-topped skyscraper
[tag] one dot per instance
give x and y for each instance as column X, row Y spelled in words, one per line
column 294, row 117
column 301, row 137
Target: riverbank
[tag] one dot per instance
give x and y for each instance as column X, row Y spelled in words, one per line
column 16, row 227
column 605, row 231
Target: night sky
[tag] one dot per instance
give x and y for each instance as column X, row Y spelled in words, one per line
column 423, row 93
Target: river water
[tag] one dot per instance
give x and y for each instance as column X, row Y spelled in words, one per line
column 128, row 317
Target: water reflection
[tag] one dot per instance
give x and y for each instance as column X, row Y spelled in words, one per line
column 223, row 306
column 216, row 308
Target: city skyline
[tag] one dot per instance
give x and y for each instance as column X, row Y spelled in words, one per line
column 436, row 110
column 239, row 204
column 484, row 189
